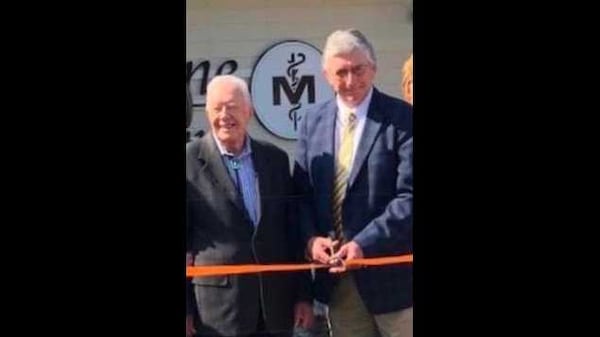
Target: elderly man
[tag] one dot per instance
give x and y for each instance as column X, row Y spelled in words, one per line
column 239, row 212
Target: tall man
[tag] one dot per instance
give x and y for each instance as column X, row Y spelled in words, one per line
column 353, row 173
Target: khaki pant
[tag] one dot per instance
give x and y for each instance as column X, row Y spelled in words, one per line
column 349, row 316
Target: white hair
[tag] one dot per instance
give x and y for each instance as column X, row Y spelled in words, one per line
column 346, row 41
column 239, row 83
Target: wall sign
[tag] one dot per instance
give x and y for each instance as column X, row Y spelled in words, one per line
column 286, row 80
column 199, row 72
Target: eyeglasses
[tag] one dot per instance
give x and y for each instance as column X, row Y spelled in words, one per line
column 357, row 71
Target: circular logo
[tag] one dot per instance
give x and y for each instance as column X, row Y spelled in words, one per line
column 285, row 81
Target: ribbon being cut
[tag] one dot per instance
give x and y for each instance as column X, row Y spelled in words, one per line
column 219, row 270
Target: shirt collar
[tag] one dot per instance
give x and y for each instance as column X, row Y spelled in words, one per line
column 360, row 110
column 247, row 150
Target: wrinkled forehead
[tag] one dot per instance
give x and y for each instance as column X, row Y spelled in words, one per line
column 347, row 61
column 224, row 92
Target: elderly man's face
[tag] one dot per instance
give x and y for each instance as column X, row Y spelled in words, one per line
column 351, row 76
column 228, row 114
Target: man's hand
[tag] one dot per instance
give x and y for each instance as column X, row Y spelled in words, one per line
column 303, row 315
column 348, row 251
column 190, row 330
column 321, row 249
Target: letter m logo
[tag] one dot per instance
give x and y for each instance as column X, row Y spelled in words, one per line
column 294, row 92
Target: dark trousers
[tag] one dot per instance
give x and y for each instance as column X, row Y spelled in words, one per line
column 261, row 330
column 262, row 333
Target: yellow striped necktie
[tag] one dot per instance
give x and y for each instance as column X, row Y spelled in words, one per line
column 343, row 162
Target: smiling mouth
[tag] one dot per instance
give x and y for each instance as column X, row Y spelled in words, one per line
column 227, row 126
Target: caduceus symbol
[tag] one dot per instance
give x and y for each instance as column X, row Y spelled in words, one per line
column 292, row 72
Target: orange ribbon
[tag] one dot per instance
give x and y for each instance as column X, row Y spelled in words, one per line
column 220, row 270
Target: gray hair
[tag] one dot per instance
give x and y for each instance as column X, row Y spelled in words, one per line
column 239, row 83
column 346, row 41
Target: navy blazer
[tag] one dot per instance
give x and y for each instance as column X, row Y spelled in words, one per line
column 377, row 209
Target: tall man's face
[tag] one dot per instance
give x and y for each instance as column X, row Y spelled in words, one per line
column 351, row 76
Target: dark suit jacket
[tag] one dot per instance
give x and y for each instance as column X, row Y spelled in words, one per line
column 377, row 210
column 220, row 232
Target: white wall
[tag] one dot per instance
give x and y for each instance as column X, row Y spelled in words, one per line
column 243, row 29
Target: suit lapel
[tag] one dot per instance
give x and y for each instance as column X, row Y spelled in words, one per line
column 262, row 169
column 217, row 171
column 325, row 128
column 370, row 132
